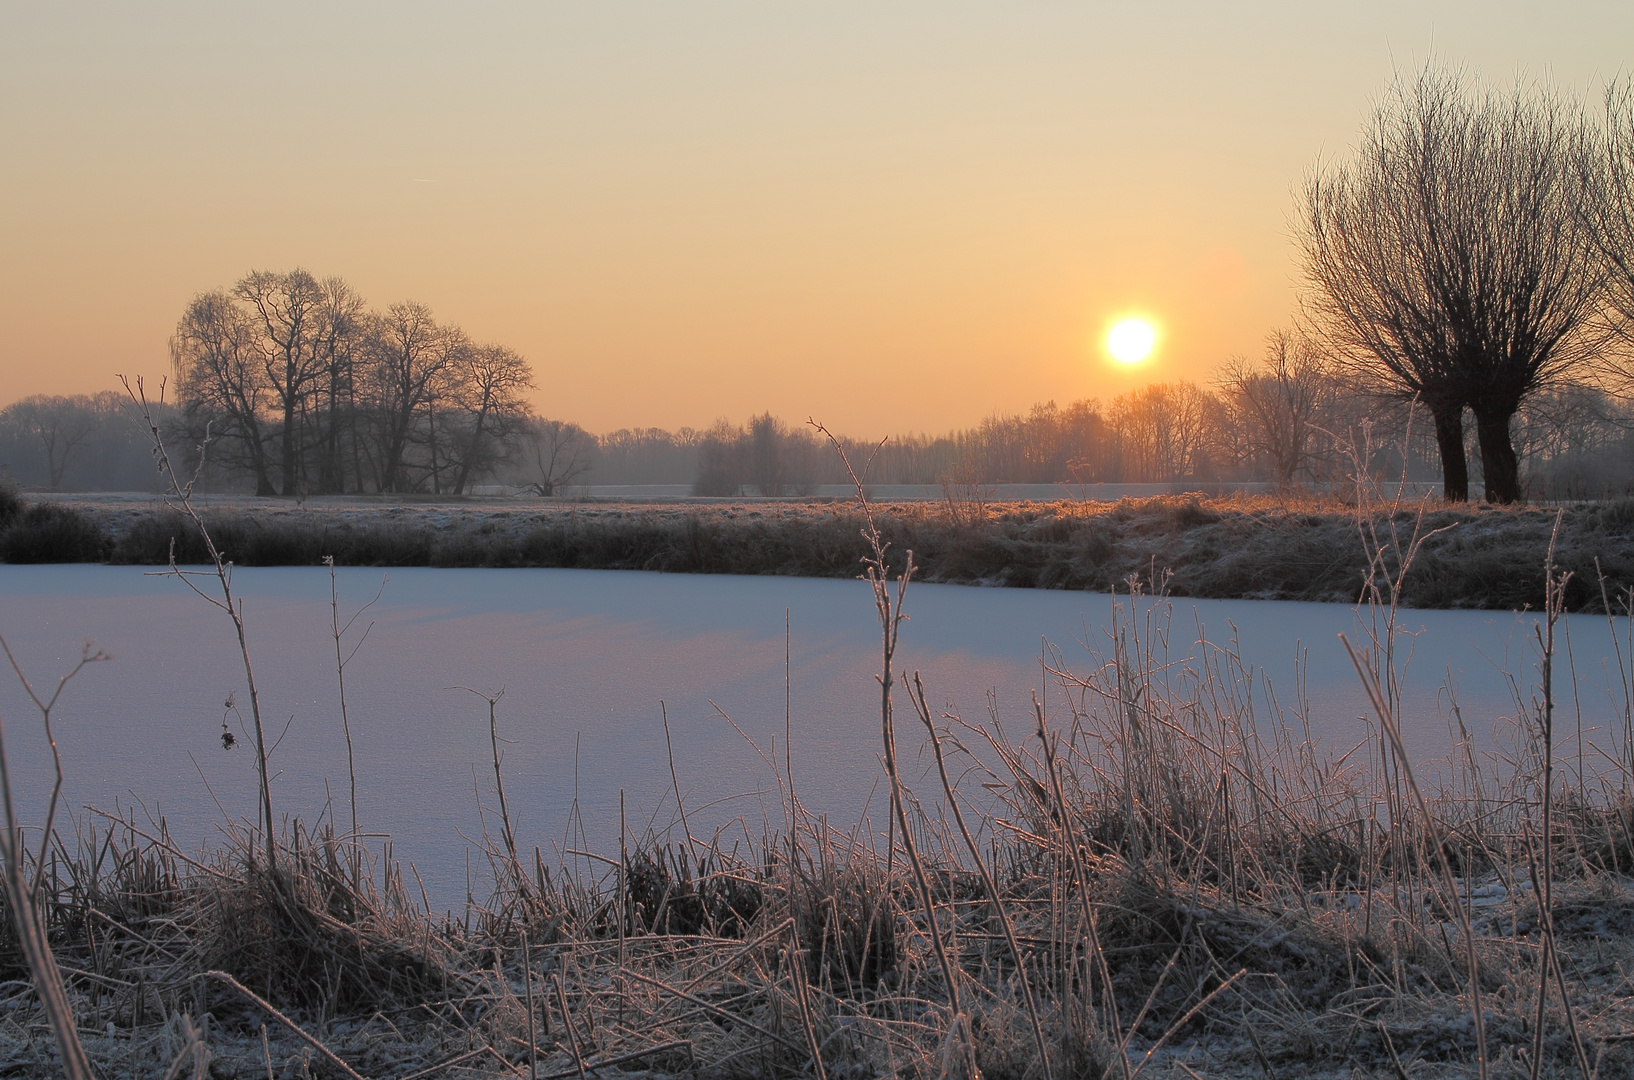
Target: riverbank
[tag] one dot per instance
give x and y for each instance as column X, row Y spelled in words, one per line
column 1232, row 547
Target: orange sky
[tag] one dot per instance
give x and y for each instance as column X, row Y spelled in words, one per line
column 892, row 217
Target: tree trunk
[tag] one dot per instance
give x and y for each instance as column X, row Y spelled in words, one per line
column 357, row 454
column 287, row 461
column 330, row 469
column 393, row 473
column 258, row 459
column 1499, row 466
column 52, row 465
column 471, row 453
column 1449, row 439
column 431, row 445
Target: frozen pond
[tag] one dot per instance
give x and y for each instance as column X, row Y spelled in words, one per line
column 585, row 658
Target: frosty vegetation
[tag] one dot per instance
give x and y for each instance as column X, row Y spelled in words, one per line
column 1158, row 875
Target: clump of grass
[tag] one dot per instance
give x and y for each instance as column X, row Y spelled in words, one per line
column 315, row 937
column 11, row 503
column 51, row 533
column 249, row 541
column 670, row 891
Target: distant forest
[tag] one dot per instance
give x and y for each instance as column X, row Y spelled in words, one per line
column 1284, row 420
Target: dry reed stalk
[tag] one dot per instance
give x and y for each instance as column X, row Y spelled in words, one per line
column 194, row 1056
column 1081, row 883
column 341, row 660
column 916, row 696
column 23, row 895
column 889, row 610
column 797, row 980
column 180, row 497
column 527, row 976
column 1388, row 721
column 572, row 1031
column 1625, row 657
column 1554, row 607
column 508, row 834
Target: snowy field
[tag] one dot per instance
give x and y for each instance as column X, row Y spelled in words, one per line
column 585, row 658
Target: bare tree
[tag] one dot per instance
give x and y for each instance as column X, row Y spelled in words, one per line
column 1568, row 437
column 488, row 383
column 337, row 344
column 1277, row 403
column 648, row 455
column 411, row 359
column 1608, row 174
column 288, row 311
column 85, row 441
column 269, row 368
column 560, row 453
column 221, row 382
column 299, row 379
column 1159, row 431
column 59, row 425
column 765, row 457
column 722, row 462
column 1451, row 259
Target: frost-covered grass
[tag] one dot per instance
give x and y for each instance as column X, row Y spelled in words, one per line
column 1155, row 877
column 1261, row 547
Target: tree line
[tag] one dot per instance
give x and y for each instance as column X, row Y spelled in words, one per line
column 1284, row 418
column 78, row 442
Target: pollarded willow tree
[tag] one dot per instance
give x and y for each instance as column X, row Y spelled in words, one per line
column 1609, row 202
column 1452, row 260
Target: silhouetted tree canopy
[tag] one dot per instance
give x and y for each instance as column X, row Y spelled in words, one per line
column 1451, row 258
column 294, row 383
column 1608, row 177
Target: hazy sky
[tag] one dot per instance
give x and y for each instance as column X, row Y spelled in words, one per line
column 890, row 216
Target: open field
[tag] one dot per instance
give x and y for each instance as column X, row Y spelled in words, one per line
column 1260, row 547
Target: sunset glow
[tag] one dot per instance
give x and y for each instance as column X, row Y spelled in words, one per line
column 684, row 212
column 1131, row 340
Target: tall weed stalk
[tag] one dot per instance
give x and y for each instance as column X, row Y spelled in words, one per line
column 179, row 497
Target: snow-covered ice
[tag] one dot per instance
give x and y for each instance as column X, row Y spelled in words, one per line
column 586, row 657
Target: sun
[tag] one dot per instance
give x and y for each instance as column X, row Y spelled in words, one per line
column 1131, row 340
